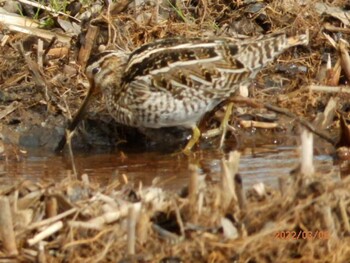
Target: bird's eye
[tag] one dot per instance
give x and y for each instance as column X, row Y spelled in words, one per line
column 96, row 70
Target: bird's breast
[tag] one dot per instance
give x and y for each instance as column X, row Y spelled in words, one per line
column 158, row 110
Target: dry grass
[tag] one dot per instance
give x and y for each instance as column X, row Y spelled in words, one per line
column 305, row 221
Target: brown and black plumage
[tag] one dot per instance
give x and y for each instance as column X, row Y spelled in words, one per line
column 174, row 82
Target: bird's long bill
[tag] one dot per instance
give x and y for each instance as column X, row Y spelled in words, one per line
column 77, row 118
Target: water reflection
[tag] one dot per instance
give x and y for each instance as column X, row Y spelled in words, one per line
column 259, row 164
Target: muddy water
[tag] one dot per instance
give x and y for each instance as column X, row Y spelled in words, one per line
column 259, row 164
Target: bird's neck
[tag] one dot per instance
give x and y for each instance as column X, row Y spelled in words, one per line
column 111, row 85
column 111, row 81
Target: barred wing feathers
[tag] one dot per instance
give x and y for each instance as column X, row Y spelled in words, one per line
column 213, row 66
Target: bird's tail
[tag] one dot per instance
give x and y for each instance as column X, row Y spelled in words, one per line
column 298, row 40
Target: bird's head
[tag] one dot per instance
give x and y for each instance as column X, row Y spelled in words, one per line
column 105, row 70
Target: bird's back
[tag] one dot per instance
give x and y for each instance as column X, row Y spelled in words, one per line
column 177, row 79
column 212, row 65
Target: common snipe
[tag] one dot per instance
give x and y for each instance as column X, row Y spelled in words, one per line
column 174, row 82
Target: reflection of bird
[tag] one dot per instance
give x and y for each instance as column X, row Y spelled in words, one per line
column 174, row 82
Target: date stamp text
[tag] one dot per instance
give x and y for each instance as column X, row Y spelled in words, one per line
column 307, row 235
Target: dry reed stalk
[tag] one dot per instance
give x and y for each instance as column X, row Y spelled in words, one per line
column 86, row 49
column 45, row 233
column 282, row 185
column 332, row 28
column 40, row 53
column 193, row 191
column 15, row 202
column 329, row 89
column 51, row 207
column 345, row 58
column 106, row 199
column 41, row 255
column 330, row 224
column 28, row 200
column 333, row 74
column 131, row 230
column 200, row 202
column 230, row 168
column 4, row 40
column 29, row 254
column 52, row 219
column 224, row 123
column 111, row 203
column 179, row 218
column 239, row 191
column 344, row 215
column 156, row 11
column 307, row 155
column 86, row 181
column 142, row 227
column 324, row 119
column 98, row 223
column 7, row 234
column 37, row 75
column 254, row 103
column 258, row 124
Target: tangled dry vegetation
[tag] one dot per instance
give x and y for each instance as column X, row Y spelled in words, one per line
column 42, row 85
column 306, row 220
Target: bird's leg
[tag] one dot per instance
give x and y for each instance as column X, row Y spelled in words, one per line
column 224, row 126
column 196, row 134
column 224, row 123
